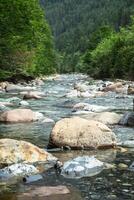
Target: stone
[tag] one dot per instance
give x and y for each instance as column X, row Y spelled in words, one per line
column 18, row 88
column 48, row 120
column 44, row 191
column 24, row 103
column 122, row 166
column 99, row 94
column 81, row 87
column 79, row 167
column 79, row 133
column 3, row 108
column 15, row 151
column 104, row 117
column 121, row 90
column 32, row 95
column 113, row 87
column 72, row 94
column 17, row 170
column 127, row 119
column 86, row 95
column 38, row 82
column 38, row 116
column 3, row 85
column 121, row 149
column 130, row 90
column 32, row 178
column 89, row 107
column 20, row 115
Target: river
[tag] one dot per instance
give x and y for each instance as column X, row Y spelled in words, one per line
column 109, row 184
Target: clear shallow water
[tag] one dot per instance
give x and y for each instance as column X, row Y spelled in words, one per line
column 109, row 184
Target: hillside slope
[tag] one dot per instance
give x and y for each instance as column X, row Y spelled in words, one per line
column 73, row 21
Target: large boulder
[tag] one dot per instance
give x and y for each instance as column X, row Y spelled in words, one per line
column 104, row 117
column 20, row 115
column 14, row 151
column 79, row 133
column 127, row 119
column 113, row 87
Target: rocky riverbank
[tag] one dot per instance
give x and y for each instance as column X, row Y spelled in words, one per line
column 64, row 112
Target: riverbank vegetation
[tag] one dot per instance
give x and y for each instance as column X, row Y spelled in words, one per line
column 26, row 40
column 113, row 55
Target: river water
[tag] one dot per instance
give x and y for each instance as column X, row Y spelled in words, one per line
column 109, row 184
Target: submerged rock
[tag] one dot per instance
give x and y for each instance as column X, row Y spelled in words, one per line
column 17, row 170
column 89, row 107
column 132, row 167
column 24, row 103
column 3, row 108
column 20, row 115
column 6, row 103
column 14, row 100
column 79, row 133
column 33, row 95
column 82, row 167
column 104, row 117
column 14, row 151
column 127, row 143
column 17, row 88
column 44, row 192
column 32, row 178
column 48, row 120
column 127, row 119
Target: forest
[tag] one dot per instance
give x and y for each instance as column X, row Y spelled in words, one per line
column 64, row 36
column 26, row 40
column 79, row 27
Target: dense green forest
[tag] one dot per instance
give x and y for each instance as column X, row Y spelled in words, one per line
column 78, row 28
column 90, row 36
column 26, row 46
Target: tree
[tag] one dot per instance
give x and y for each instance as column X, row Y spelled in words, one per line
column 26, row 40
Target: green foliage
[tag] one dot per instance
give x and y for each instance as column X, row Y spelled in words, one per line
column 26, row 41
column 113, row 57
column 74, row 21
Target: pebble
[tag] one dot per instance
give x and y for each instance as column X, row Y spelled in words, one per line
column 127, row 184
column 112, row 196
column 122, row 166
column 125, row 190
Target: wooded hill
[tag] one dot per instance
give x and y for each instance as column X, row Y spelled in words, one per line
column 89, row 36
